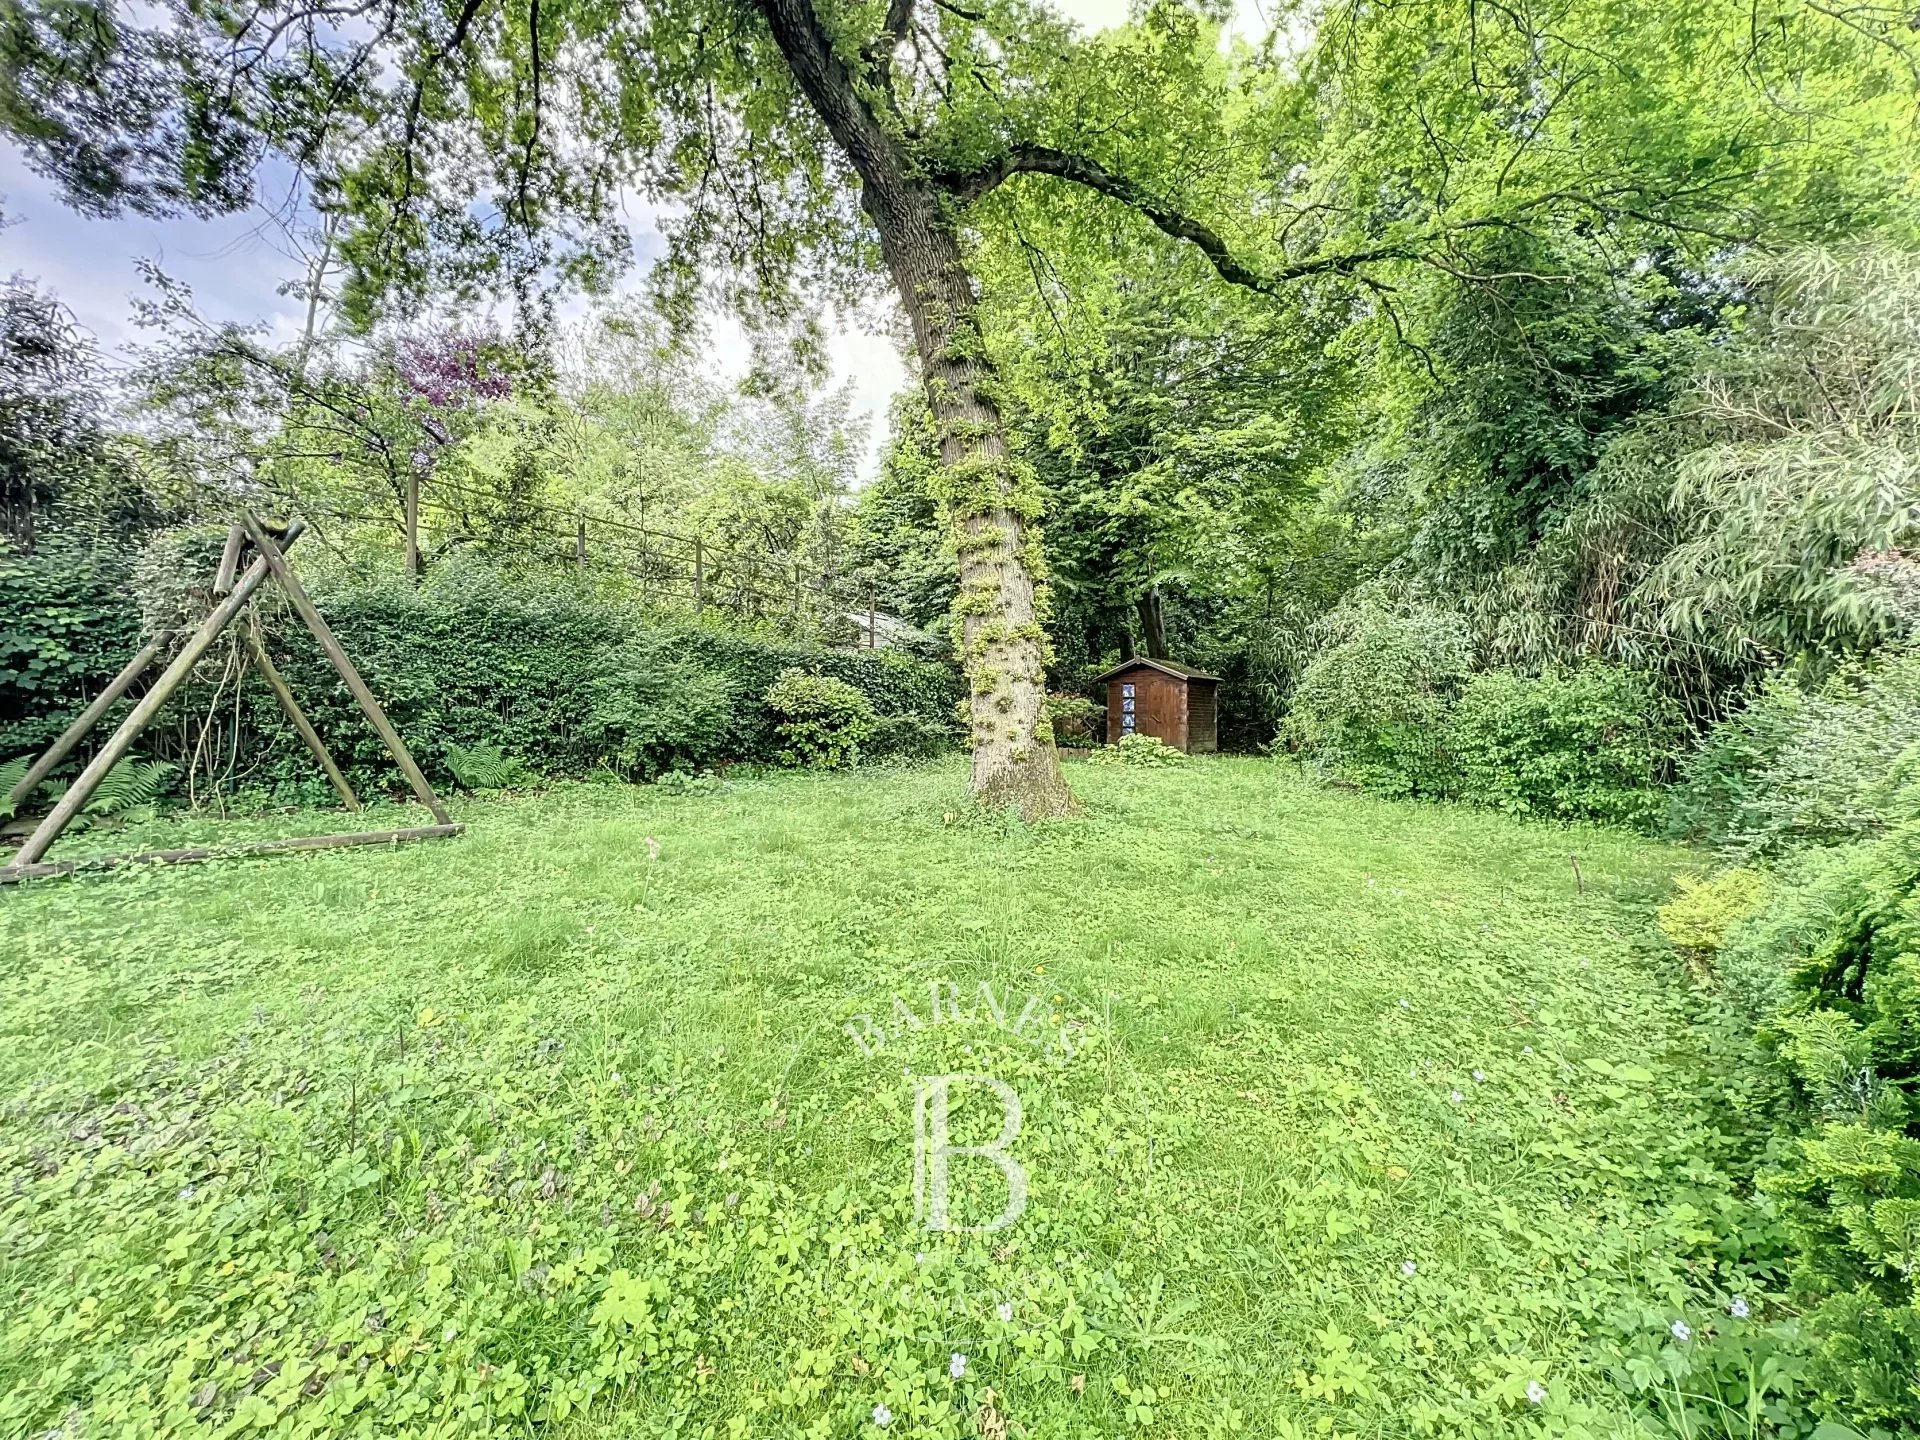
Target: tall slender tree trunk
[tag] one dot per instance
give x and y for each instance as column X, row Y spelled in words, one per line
column 991, row 503
column 993, row 509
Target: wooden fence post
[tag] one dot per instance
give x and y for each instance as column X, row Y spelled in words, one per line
column 580, row 542
column 413, row 521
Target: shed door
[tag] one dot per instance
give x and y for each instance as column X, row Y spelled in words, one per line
column 1159, row 714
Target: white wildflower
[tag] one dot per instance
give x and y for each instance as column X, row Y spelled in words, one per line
column 1536, row 1393
column 1455, row 1096
column 1004, row 1310
column 882, row 1416
column 1738, row 1307
column 1681, row 1330
column 957, row 1366
column 1479, row 1077
column 1407, row 1267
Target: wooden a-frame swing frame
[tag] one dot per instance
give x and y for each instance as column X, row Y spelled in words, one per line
column 234, row 590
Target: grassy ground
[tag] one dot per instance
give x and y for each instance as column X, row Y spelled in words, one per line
column 1338, row 1116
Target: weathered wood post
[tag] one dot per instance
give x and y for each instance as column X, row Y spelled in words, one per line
column 413, row 521
column 223, row 577
column 283, row 692
column 580, row 542
column 304, row 607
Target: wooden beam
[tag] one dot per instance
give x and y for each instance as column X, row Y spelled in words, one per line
column 81, row 791
column 229, row 561
column 89, row 717
column 11, row 874
column 284, row 694
column 304, row 607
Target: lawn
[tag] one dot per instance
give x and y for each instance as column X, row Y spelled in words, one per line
column 1336, row 1116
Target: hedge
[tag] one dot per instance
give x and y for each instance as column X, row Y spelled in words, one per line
column 565, row 680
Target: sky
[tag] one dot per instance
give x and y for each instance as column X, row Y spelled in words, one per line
column 235, row 264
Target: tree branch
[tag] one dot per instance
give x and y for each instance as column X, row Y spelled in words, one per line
column 879, row 50
column 533, row 132
column 1044, row 160
column 1427, row 246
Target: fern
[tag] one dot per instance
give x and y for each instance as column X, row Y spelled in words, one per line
column 127, row 786
column 11, row 773
column 484, row 766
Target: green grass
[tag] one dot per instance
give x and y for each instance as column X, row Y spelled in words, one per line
column 530, row 1126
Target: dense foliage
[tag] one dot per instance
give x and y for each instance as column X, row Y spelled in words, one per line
column 65, row 629
column 1390, row 702
column 1822, row 945
column 568, row 683
column 821, row 720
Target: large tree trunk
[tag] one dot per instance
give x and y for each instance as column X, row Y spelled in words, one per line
column 992, row 505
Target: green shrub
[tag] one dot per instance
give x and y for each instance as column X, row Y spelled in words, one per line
column 1148, row 750
column 66, row 627
column 1696, row 920
column 486, row 766
column 1801, row 766
column 1390, row 703
column 1585, row 744
column 1831, row 960
column 1371, row 704
column 540, row 669
column 822, row 721
column 688, row 782
column 652, row 710
column 910, row 737
column 1076, row 719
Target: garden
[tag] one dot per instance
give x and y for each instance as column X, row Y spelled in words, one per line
column 1021, row 719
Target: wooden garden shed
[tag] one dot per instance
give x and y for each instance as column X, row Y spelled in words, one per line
column 1163, row 698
